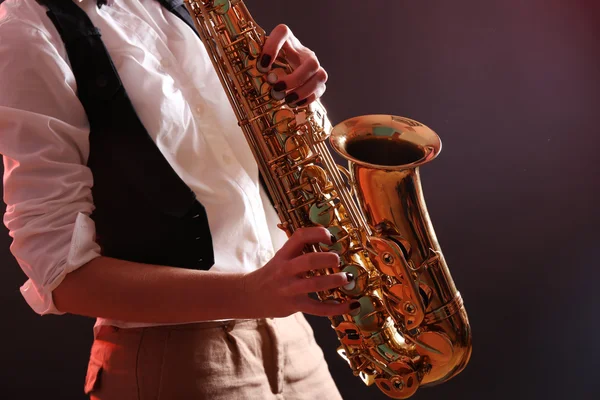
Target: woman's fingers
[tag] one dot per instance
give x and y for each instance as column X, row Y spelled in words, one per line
column 302, row 237
column 309, row 68
column 306, row 82
column 322, row 309
column 319, row 283
column 312, row 261
column 313, row 89
column 273, row 45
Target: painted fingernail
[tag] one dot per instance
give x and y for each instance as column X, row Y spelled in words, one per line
column 292, row 97
column 301, row 103
column 265, row 60
column 349, row 276
column 333, row 239
column 280, row 86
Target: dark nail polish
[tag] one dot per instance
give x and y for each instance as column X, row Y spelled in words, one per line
column 265, row 60
column 333, row 239
column 292, row 97
column 354, row 305
column 280, row 86
column 301, row 103
column 349, row 276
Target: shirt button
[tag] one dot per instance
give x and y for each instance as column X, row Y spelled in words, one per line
column 165, row 63
column 227, row 159
column 198, row 110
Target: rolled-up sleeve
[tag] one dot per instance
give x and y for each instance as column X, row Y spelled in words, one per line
column 44, row 140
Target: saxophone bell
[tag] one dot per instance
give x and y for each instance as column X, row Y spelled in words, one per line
column 384, row 153
column 385, row 142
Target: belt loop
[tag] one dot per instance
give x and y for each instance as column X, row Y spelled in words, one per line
column 229, row 325
column 227, row 328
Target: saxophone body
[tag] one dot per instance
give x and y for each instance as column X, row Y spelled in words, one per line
column 411, row 329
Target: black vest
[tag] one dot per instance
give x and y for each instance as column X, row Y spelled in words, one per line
column 144, row 211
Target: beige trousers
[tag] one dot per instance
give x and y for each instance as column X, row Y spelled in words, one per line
column 249, row 359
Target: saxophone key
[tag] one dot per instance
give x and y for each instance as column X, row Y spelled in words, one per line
column 284, row 120
column 277, row 96
column 342, row 240
column 322, row 214
column 400, row 298
column 369, row 318
column 349, row 334
column 220, row 6
column 295, row 149
column 253, row 47
column 360, row 283
column 313, row 177
column 403, row 384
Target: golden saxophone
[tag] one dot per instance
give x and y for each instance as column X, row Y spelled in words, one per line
column 412, row 329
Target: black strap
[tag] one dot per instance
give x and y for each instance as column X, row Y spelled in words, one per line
column 72, row 23
column 101, row 93
column 144, row 211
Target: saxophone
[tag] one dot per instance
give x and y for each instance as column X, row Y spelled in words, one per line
column 411, row 329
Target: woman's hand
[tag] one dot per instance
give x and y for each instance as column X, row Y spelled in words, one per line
column 307, row 82
column 280, row 288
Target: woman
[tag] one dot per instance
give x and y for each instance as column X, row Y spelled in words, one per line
column 102, row 226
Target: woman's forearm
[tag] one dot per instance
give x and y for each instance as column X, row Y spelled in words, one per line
column 127, row 291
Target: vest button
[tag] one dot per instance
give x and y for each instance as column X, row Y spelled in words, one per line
column 101, row 81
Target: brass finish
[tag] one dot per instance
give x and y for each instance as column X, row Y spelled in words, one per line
column 411, row 329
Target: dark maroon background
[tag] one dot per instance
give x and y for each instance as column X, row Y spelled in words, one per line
column 512, row 87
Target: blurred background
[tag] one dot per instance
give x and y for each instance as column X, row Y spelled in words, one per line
column 513, row 89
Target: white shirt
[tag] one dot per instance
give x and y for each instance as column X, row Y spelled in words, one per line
column 44, row 140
